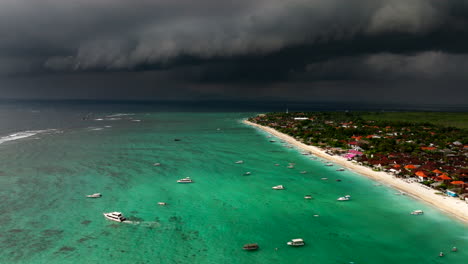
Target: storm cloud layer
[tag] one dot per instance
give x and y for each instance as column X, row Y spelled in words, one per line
column 244, row 48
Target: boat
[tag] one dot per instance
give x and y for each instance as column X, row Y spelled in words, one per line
column 157, row 164
column 308, row 197
column 250, row 247
column 340, row 169
column 338, row 180
column 239, row 162
column 162, row 203
column 185, row 180
column 303, row 172
column 441, row 254
column 272, row 140
column 290, row 167
column 94, row 195
column 278, row 187
column 115, row 216
column 324, row 179
column 417, row 212
column 276, row 164
column 454, row 249
column 344, row 198
column 297, row 242
column 177, row 139
column 247, row 173
column 329, row 164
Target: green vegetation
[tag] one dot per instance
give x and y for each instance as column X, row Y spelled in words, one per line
column 459, row 120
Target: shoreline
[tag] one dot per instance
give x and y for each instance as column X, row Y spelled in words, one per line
column 451, row 205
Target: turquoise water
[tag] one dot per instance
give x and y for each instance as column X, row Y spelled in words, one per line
column 47, row 219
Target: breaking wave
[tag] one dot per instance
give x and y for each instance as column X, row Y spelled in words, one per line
column 25, row 134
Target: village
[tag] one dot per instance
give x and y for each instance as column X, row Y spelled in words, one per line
column 431, row 154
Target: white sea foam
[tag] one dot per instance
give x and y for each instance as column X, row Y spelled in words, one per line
column 26, row 134
column 120, row 114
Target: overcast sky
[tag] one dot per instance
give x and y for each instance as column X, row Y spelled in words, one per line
column 411, row 51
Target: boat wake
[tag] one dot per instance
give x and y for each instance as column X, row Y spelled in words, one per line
column 142, row 223
column 26, row 134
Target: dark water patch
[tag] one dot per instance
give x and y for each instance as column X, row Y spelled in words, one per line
column 16, row 230
column 134, row 212
column 105, row 233
column 66, row 249
column 52, row 232
column 114, row 225
column 86, row 222
column 86, row 238
column 176, row 219
column 55, row 170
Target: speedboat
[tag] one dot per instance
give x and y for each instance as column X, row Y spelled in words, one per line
column 344, row 198
column 308, row 197
column 340, row 169
column 417, row 212
column 290, row 167
column 278, row 187
column 247, row 173
column 297, row 242
column 303, row 172
column 239, row 162
column 272, row 140
column 250, row 247
column 162, row 203
column 185, row 180
column 329, row 164
column 115, row 216
column 157, row 164
column 94, row 195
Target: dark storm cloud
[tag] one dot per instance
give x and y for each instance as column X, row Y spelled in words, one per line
column 212, row 47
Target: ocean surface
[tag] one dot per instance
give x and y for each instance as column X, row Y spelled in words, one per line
column 51, row 156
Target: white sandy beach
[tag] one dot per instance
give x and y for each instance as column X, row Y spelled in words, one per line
column 451, row 205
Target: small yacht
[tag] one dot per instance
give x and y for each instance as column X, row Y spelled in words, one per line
column 297, row 242
column 417, row 212
column 162, row 203
column 340, row 169
column 94, row 195
column 239, row 162
column 344, row 198
column 308, row 197
column 115, row 216
column 278, row 187
column 250, row 247
column 185, row 180
column 247, row 173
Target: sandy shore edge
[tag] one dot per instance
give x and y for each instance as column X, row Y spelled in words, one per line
column 451, row 205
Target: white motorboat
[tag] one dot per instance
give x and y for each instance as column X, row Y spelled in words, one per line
column 344, row 198
column 297, row 242
column 329, row 164
column 239, row 162
column 247, row 173
column 303, row 172
column 115, row 216
column 290, row 167
column 308, row 197
column 162, row 203
column 94, row 195
column 340, row 169
column 185, row 180
column 278, row 187
column 157, row 164
column 417, row 212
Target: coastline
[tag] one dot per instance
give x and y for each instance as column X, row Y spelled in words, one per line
column 451, row 205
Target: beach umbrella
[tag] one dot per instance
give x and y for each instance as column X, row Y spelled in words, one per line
column 457, row 182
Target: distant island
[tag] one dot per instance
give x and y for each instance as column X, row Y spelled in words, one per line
column 418, row 147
